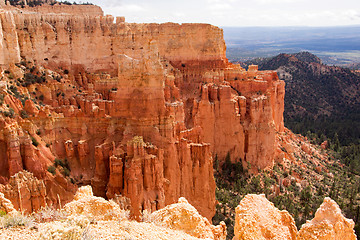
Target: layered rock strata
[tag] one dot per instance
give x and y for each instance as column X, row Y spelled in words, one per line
column 142, row 109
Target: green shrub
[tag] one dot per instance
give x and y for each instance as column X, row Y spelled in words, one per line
column 2, row 213
column 59, row 162
column 66, row 172
column 30, row 78
column 23, row 114
column 1, row 98
column 52, row 169
column 34, row 142
column 10, row 113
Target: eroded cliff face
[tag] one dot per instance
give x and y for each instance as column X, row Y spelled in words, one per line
column 138, row 110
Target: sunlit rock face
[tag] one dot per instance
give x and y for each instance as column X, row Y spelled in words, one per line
column 328, row 223
column 258, row 218
column 182, row 216
column 142, row 110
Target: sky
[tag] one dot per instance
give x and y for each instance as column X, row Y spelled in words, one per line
column 237, row 12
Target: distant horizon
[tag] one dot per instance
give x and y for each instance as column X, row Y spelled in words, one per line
column 335, row 26
column 237, row 13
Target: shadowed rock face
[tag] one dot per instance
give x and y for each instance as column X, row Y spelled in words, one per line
column 142, row 109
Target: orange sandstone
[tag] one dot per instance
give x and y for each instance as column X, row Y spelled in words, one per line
column 141, row 111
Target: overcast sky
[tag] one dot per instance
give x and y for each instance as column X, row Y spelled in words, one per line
column 237, row 12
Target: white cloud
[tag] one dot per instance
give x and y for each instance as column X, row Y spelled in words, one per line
column 220, row 6
column 238, row 12
column 272, row 2
column 131, row 8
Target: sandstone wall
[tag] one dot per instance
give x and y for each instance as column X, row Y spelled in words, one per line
column 94, row 42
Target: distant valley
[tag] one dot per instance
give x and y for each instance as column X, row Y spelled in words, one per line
column 334, row 45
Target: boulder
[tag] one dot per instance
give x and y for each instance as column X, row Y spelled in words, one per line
column 328, row 223
column 183, row 216
column 258, row 218
column 94, row 208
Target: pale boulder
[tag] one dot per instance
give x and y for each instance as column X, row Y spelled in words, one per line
column 183, row 216
column 328, row 223
column 83, row 192
column 94, row 208
column 258, row 219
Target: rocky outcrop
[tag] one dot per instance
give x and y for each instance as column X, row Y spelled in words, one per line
column 9, row 41
column 257, row 218
column 25, row 191
column 328, row 223
column 6, row 206
column 182, row 216
column 94, row 208
column 169, row 85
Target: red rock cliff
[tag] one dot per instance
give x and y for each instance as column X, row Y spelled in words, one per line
column 144, row 108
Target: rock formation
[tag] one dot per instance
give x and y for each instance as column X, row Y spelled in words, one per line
column 6, row 207
column 328, row 223
column 94, row 208
column 180, row 216
column 25, row 191
column 257, row 218
column 95, row 217
column 183, row 216
column 138, row 110
column 28, row 194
